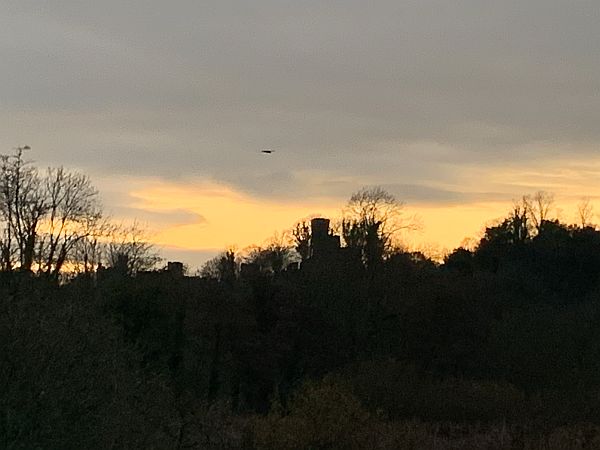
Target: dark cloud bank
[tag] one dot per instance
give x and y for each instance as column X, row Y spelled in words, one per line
column 403, row 94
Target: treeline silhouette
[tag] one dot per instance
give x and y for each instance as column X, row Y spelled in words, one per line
column 340, row 339
column 52, row 224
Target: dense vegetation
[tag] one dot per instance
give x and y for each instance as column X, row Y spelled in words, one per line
column 364, row 346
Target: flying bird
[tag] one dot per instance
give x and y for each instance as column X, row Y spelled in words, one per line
column 267, row 151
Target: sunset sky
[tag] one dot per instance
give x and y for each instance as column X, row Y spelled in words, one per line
column 456, row 107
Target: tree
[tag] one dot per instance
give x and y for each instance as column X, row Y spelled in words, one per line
column 44, row 217
column 74, row 214
column 222, row 267
column 92, row 251
column 301, row 238
column 460, row 260
column 372, row 221
column 537, row 207
column 274, row 257
column 131, row 250
column 22, row 207
column 585, row 213
column 367, row 238
column 505, row 240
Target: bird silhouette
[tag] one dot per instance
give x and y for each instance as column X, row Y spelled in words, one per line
column 267, row 151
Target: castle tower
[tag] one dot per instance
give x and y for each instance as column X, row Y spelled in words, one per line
column 322, row 243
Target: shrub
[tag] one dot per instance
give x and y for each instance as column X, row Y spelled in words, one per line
column 320, row 415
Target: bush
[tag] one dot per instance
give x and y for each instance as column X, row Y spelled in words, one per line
column 320, row 415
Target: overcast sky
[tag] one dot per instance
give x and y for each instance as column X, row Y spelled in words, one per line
column 427, row 98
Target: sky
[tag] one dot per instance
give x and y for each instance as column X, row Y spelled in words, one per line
column 455, row 107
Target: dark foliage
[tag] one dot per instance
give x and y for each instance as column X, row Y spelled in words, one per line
column 509, row 332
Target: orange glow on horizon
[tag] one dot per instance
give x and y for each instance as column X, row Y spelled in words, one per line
column 229, row 217
column 234, row 218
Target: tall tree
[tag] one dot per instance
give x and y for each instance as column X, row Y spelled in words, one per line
column 538, row 207
column 585, row 213
column 301, row 235
column 74, row 213
column 373, row 219
column 23, row 205
column 44, row 217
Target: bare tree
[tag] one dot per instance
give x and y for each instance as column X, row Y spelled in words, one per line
column 23, row 206
column 373, row 219
column 88, row 253
column 74, row 214
column 585, row 213
column 55, row 221
column 32, row 210
column 6, row 211
column 130, row 247
column 43, row 217
column 538, row 207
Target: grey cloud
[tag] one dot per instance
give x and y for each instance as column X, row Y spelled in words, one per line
column 422, row 194
column 195, row 89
